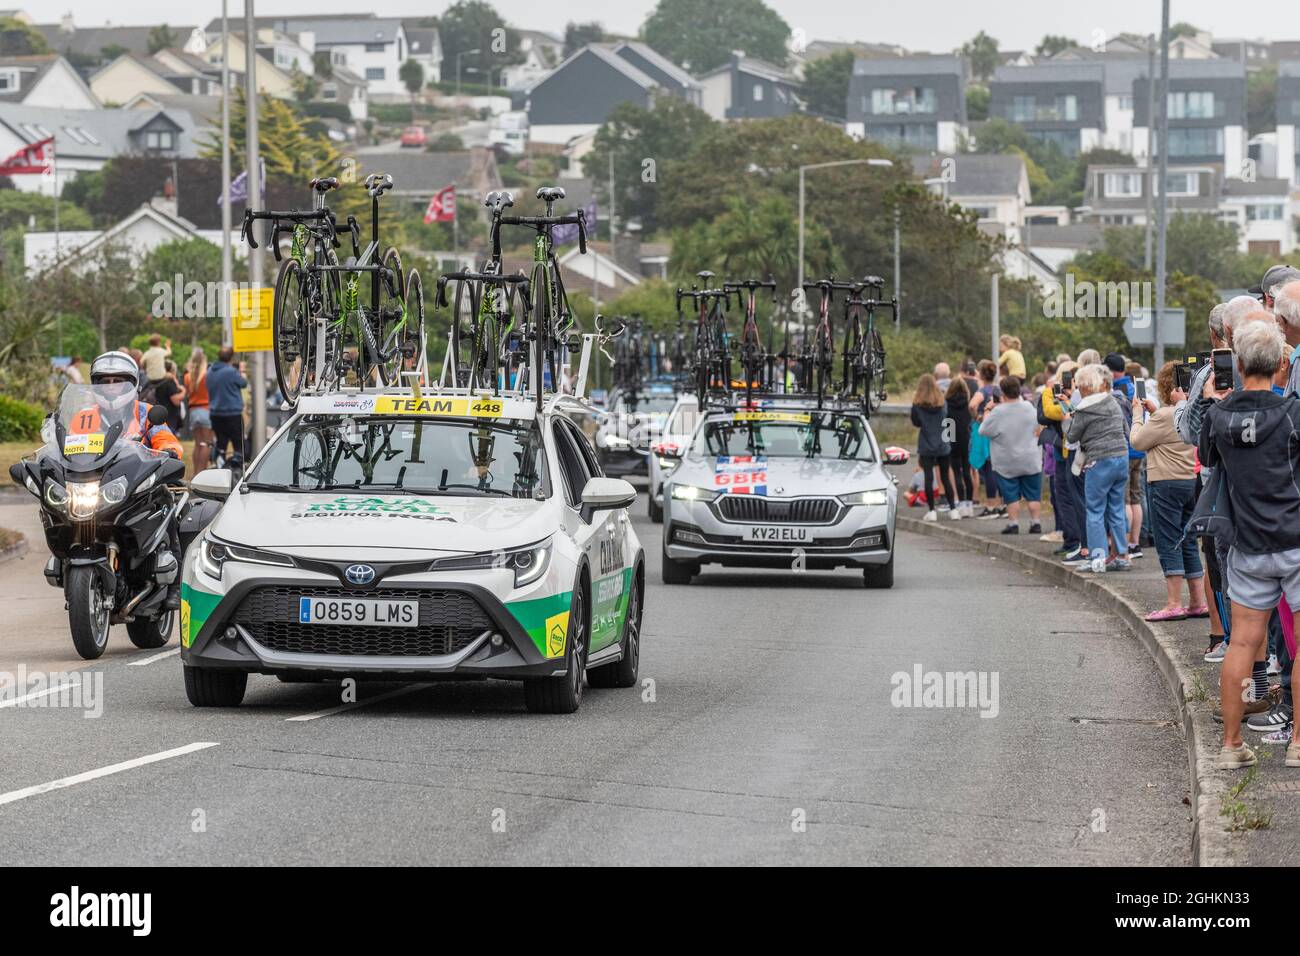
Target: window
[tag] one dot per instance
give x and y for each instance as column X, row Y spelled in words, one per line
column 919, row 99
column 1066, row 107
column 1191, row 105
column 375, row 47
column 339, row 57
column 75, row 135
column 1025, row 109
column 758, row 92
column 328, row 93
column 983, row 212
column 1066, row 140
column 911, row 135
column 159, row 139
column 374, row 73
column 1124, row 102
column 1196, row 142
column 1180, row 184
column 1022, row 109
column 1121, row 185
column 1264, row 212
column 90, row 137
column 9, row 80
column 572, row 466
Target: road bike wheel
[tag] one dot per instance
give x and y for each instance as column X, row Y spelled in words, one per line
column 310, row 457
column 413, row 342
column 543, row 317
column 289, row 329
column 464, row 318
column 389, row 323
column 825, row 361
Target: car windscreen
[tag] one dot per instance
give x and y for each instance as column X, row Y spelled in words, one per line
column 662, row 404
column 419, row 456
column 684, row 420
column 809, row 434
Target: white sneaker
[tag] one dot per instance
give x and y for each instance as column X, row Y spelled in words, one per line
column 1096, row 566
column 1274, row 668
column 931, row 516
column 968, row 510
column 955, row 514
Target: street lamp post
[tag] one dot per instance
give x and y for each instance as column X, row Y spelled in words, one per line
column 841, row 162
column 458, row 56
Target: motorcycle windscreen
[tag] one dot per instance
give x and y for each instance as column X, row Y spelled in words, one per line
column 93, row 423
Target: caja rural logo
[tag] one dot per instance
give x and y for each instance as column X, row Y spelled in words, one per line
column 376, row 508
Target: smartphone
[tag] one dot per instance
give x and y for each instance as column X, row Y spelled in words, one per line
column 1183, row 376
column 1056, row 390
column 1141, row 386
column 1222, row 359
column 1067, row 379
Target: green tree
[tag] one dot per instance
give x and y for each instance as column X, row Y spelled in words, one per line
column 102, row 287
column 162, row 37
column 286, row 146
column 18, row 208
column 305, row 87
column 644, row 144
column 825, row 88
column 578, row 35
column 699, row 34
column 1261, row 99
column 1052, row 44
column 977, row 103
column 185, row 261
column 412, row 77
column 475, row 25
column 111, row 52
column 1183, row 29
column 982, row 52
column 1196, row 244
column 19, row 39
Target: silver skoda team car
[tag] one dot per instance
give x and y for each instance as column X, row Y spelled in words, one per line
column 779, row 483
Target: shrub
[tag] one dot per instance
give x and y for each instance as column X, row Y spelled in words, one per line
column 19, row 420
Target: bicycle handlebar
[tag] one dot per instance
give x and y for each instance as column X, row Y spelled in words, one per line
column 578, row 218
column 490, row 278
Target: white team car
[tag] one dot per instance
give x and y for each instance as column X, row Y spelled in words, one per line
column 416, row 537
column 665, row 454
column 779, row 482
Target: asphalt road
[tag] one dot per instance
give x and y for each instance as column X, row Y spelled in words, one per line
column 768, row 736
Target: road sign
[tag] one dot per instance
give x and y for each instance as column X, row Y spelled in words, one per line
column 1140, row 327
column 251, row 319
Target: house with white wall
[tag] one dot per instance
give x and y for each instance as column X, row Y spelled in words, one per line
column 47, row 80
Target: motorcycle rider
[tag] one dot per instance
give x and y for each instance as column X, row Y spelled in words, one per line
column 114, row 367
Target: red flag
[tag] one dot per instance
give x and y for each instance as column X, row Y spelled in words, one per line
column 36, row 158
column 442, row 207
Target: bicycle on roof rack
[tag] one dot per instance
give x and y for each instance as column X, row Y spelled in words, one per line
column 322, row 332
column 864, row 352
column 710, row 346
column 755, row 361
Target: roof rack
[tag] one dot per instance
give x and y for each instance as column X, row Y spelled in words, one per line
column 803, row 401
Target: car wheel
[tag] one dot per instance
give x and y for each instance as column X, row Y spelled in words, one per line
column 623, row 672
column 656, row 510
column 562, row 694
column 151, row 632
column 678, row 572
column 879, row 575
column 210, row 687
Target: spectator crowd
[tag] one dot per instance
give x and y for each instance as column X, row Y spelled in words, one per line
column 1200, row 460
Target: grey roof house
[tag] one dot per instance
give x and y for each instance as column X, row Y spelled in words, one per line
column 1207, row 113
column 746, row 87
column 915, row 102
column 578, row 95
column 1288, row 119
column 1062, row 104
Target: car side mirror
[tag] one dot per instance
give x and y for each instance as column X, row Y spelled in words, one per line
column 608, row 494
column 896, row 456
column 214, row 483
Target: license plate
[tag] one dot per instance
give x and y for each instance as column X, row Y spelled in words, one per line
column 358, row 611
column 778, row 534
column 92, row 444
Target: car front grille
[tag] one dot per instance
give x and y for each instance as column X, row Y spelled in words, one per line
column 756, row 508
column 449, row 622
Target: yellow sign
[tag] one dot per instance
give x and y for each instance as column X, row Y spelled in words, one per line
column 797, row 418
column 186, row 638
column 451, row 407
column 557, row 630
column 251, row 319
column 91, row 444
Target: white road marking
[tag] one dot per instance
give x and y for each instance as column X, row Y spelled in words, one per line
column 359, row 703
column 15, row 795
column 156, row 657
column 15, row 701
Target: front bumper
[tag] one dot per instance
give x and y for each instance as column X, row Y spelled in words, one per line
column 477, row 635
column 858, row 538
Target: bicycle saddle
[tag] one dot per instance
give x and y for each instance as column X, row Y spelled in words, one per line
column 873, row 280
column 704, row 275
column 499, row 199
column 550, row 193
column 325, row 184
column 378, row 183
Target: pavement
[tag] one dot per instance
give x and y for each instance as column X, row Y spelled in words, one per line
column 1192, row 688
column 764, row 732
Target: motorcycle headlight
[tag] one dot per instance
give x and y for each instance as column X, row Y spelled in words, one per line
column 32, row 486
column 876, row 497
column 148, row 482
column 56, row 496
column 83, row 498
column 114, row 493
column 693, row 493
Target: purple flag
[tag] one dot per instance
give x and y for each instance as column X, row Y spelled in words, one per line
column 561, row 235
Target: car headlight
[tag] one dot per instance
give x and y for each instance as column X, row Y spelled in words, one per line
column 693, row 493
column 214, row 554
column 877, row 497
column 83, row 498
column 528, row 564
column 114, row 493
column 56, row 496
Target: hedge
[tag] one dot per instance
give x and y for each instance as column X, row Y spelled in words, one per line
column 19, row 421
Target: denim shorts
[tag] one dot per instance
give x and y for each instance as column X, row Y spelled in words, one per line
column 200, row 418
column 1259, row 581
column 1029, row 487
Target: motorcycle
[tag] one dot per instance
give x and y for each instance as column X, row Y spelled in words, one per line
column 110, row 515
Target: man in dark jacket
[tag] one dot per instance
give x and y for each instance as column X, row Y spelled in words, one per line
column 1253, row 435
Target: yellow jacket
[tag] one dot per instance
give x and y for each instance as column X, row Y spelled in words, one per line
column 1052, row 409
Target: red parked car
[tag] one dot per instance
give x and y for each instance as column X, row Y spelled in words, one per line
column 414, row 136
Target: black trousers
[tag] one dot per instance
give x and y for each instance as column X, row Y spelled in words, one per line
column 960, row 460
column 229, row 430
column 928, row 463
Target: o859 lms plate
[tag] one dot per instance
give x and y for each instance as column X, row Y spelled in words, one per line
column 778, row 534
column 366, row 612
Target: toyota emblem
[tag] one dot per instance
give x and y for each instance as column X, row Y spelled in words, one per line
column 359, row 574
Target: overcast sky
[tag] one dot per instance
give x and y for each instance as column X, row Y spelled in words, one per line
column 934, row 25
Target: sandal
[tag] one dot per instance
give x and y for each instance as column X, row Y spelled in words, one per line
column 1200, row 610
column 1168, row 614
